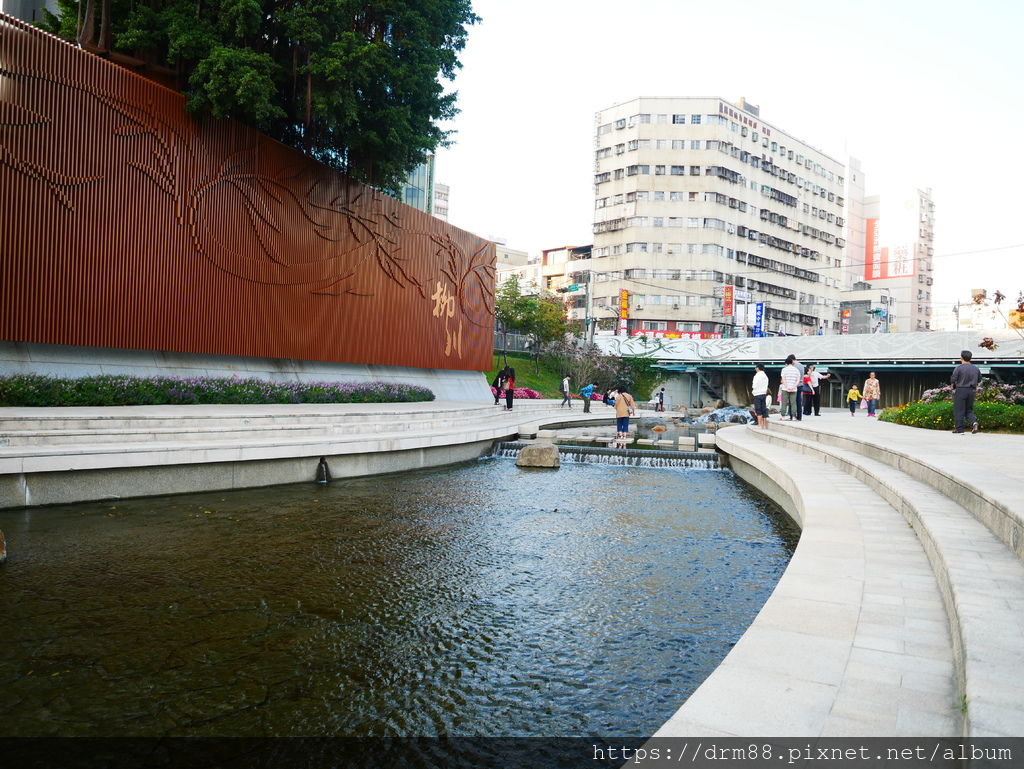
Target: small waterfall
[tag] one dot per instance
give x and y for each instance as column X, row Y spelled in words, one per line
column 622, row 457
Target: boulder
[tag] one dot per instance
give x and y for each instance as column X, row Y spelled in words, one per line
column 538, row 455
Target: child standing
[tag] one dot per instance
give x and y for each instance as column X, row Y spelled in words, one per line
column 853, row 398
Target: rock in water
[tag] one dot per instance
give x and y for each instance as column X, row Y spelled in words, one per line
column 538, row 455
column 3, row 548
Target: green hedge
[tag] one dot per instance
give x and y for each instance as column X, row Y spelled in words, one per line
column 939, row 416
column 37, row 390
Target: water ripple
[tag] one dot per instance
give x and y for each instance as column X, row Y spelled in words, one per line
column 478, row 599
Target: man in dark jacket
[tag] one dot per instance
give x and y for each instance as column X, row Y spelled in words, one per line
column 965, row 381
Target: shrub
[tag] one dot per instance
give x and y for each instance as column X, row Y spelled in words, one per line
column 938, row 415
column 989, row 391
column 38, row 390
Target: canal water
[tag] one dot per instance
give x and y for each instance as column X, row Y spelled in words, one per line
column 478, row 599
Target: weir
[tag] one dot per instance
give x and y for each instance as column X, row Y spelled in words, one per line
column 702, row 460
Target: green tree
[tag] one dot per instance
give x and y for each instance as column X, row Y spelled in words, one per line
column 357, row 85
column 541, row 316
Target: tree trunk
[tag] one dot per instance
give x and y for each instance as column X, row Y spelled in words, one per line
column 87, row 30
column 307, row 123
column 105, row 34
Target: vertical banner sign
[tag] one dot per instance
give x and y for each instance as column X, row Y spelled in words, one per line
column 846, row 322
column 623, row 312
column 759, row 319
column 874, row 269
column 728, row 306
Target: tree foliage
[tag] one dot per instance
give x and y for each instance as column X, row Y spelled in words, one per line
column 585, row 363
column 357, row 85
column 541, row 316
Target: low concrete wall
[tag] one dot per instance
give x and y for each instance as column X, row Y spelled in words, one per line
column 70, row 361
column 32, row 489
column 767, row 486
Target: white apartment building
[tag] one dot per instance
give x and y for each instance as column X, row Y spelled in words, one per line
column 441, row 193
column 898, row 254
column 697, row 195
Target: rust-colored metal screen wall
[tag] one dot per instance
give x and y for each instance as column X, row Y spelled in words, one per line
column 125, row 223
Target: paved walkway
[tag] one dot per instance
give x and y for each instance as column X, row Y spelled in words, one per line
column 900, row 613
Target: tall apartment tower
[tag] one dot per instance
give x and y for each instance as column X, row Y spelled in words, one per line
column 898, row 254
column 855, row 229
column 705, row 214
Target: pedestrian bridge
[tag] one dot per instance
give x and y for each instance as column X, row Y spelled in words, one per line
column 907, row 364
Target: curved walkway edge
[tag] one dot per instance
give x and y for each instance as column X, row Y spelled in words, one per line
column 900, row 612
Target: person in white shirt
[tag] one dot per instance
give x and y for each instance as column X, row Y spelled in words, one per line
column 790, row 381
column 812, row 400
column 566, row 397
column 760, row 390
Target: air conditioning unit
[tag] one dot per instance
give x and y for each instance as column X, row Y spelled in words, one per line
column 675, row 307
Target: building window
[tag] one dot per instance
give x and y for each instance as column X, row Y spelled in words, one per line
column 694, row 144
column 694, row 119
column 659, row 170
column 680, row 119
column 694, row 170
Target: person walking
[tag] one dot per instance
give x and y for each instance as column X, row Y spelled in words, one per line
column 760, row 391
column 853, row 398
column 566, row 397
column 585, row 393
column 498, row 383
column 510, row 386
column 660, row 406
column 624, row 407
column 812, row 398
column 965, row 381
column 790, row 381
column 872, row 392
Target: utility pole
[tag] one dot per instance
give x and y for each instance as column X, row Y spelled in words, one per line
column 590, row 323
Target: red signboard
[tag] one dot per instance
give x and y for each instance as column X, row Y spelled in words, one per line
column 728, row 303
column 677, row 334
column 623, row 311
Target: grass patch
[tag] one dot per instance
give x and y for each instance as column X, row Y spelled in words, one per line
column 545, row 379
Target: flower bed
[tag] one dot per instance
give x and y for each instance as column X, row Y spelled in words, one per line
column 519, row 392
column 37, row 390
column 938, row 415
column 989, row 391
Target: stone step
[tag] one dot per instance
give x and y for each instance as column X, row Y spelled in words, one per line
column 981, row 580
column 139, row 418
column 982, row 478
column 853, row 641
column 195, row 431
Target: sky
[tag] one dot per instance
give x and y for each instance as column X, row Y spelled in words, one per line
column 924, row 94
